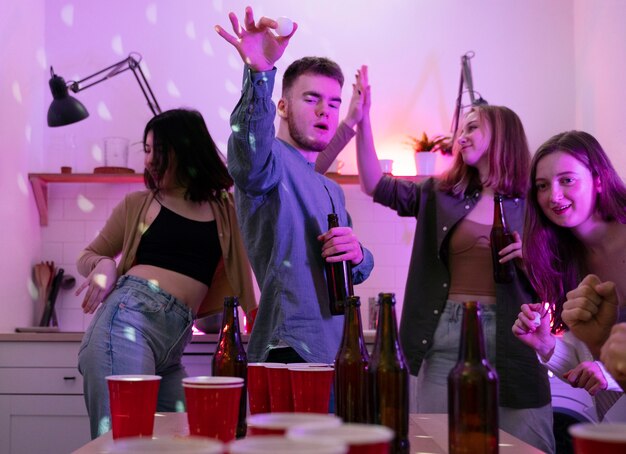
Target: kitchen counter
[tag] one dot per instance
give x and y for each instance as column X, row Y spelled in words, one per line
column 77, row 336
column 427, row 433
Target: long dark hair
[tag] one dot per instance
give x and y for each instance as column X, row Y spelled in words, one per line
column 508, row 156
column 554, row 257
column 181, row 137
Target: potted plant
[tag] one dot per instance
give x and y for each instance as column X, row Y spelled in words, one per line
column 425, row 149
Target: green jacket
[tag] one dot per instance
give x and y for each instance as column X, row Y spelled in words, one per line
column 523, row 380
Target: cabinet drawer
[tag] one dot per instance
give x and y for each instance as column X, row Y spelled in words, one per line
column 38, row 380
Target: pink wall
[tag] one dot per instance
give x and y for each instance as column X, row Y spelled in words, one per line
column 546, row 60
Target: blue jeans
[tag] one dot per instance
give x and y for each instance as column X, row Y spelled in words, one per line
column 532, row 425
column 139, row 329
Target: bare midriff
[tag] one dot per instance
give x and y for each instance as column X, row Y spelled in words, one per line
column 186, row 289
column 482, row 299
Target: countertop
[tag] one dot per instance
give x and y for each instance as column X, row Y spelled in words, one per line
column 77, row 336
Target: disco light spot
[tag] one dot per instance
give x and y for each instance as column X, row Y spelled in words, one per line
column 231, row 87
column 235, row 128
column 100, row 280
column 130, row 333
column 40, row 55
column 234, row 62
column 116, row 45
column 190, row 30
column 286, row 263
column 154, row 285
column 224, row 114
column 142, row 227
column 17, row 92
column 172, row 89
column 151, row 13
column 145, row 69
column 32, row 288
column 180, row 406
column 207, row 48
column 103, row 111
column 21, row 184
column 96, row 153
column 84, row 204
column 67, row 15
column 104, row 425
column 28, row 132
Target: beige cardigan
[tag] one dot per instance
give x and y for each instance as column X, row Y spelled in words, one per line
column 122, row 234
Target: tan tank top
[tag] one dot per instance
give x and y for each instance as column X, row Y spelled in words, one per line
column 471, row 270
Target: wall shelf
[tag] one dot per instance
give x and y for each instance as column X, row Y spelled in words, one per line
column 40, row 181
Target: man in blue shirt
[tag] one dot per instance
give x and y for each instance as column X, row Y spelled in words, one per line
column 282, row 202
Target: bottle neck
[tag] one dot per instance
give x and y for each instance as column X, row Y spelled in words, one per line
column 498, row 213
column 387, row 332
column 230, row 322
column 472, row 342
column 352, row 329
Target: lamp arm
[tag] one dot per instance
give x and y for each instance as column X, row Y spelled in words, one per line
column 129, row 63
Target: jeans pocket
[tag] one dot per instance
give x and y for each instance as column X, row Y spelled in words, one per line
column 136, row 301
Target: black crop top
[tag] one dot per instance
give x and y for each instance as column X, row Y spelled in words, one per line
column 180, row 244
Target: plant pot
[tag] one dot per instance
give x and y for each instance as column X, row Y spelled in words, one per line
column 425, row 163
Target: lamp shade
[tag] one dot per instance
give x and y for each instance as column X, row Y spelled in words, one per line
column 64, row 109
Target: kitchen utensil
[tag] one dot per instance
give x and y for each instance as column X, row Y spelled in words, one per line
column 52, row 296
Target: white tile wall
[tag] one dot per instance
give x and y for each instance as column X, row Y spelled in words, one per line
column 77, row 212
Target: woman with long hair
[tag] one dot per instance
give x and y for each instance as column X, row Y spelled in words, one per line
column 575, row 236
column 180, row 254
column 451, row 262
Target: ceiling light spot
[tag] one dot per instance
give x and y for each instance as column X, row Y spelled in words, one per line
column 190, row 29
column 103, row 111
column 40, row 55
column 207, row 48
column 67, row 15
column 17, row 93
column 84, row 204
column 116, row 45
column 151, row 13
column 172, row 89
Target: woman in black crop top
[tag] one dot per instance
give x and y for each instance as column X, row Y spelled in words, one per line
column 170, row 248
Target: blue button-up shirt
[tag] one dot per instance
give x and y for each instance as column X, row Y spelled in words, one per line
column 283, row 205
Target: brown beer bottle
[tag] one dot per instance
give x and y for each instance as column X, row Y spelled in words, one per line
column 389, row 377
column 500, row 238
column 230, row 357
column 472, row 392
column 351, row 363
column 338, row 277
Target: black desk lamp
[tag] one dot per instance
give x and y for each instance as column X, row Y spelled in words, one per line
column 466, row 80
column 65, row 109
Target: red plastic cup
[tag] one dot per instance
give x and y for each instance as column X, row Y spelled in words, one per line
column 281, row 397
column 280, row 423
column 360, row 438
column 213, row 406
column 133, row 400
column 311, row 388
column 276, row 445
column 258, row 388
column 604, row 438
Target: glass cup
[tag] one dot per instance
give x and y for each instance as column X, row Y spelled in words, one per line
column 280, row 423
column 133, row 400
column 213, row 406
column 311, row 388
column 276, row 445
column 116, row 152
column 360, row 438
column 281, row 397
column 386, row 166
column 604, row 438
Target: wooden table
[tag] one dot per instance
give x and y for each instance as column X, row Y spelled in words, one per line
column 428, row 433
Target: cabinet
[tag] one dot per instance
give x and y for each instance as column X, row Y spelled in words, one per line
column 41, row 398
